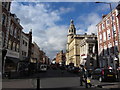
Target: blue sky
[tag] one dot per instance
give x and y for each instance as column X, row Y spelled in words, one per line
column 50, row 21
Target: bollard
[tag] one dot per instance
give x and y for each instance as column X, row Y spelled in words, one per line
column 38, row 84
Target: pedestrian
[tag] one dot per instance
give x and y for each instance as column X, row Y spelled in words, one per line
column 81, row 75
column 85, row 76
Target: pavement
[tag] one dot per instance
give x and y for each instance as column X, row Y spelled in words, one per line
column 96, row 83
column 26, row 84
column 61, row 89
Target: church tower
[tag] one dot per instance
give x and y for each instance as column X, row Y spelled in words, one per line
column 71, row 31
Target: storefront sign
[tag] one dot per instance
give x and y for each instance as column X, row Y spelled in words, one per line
column 11, row 53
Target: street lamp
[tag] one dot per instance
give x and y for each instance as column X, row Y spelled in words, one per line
column 111, row 23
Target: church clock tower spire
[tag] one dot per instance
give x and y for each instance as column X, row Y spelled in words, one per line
column 71, row 30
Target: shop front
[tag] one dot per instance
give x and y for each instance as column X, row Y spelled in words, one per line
column 11, row 61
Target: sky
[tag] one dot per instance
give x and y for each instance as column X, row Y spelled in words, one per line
column 50, row 21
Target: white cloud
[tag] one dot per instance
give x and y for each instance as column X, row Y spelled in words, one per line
column 80, row 31
column 89, row 23
column 38, row 17
column 65, row 10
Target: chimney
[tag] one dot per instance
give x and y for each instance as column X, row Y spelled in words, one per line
column 103, row 16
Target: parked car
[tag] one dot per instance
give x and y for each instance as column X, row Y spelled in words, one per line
column 62, row 67
column 43, row 68
column 89, row 72
column 103, row 74
column 76, row 70
column 70, row 68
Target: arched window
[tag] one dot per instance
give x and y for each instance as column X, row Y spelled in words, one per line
column 11, row 29
column 15, row 32
column 14, row 46
column 9, row 44
column 17, row 47
column 18, row 34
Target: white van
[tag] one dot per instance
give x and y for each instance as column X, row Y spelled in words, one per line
column 43, row 67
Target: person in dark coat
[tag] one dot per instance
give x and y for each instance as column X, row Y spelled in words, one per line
column 85, row 76
column 81, row 75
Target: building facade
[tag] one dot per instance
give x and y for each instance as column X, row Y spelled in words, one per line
column 72, row 51
column 24, row 46
column 108, row 32
column 73, row 46
column 88, row 51
column 35, row 55
column 11, row 33
column 118, row 9
column 60, row 58
column 5, row 22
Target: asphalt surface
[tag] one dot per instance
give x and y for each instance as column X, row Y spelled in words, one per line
column 54, row 79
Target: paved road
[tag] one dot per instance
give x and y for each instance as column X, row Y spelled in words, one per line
column 45, row 83
column 49, row 74
column 54, row 79
column 63, row 82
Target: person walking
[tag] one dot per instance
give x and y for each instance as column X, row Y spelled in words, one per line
column 85, row 76
column 81, row 75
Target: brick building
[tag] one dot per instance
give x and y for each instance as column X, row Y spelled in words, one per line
column 60, row 57
column 108, row 32
column 118, row 9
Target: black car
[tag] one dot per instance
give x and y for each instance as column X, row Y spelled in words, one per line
column 70, row 68
column 76, row 70
column 103, row 74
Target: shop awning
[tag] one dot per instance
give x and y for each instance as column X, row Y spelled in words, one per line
column 12, row 60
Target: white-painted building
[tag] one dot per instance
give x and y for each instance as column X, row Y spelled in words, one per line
column 88, row 51
column 24, row 43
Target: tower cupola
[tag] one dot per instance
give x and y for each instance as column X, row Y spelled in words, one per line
column 72, row 29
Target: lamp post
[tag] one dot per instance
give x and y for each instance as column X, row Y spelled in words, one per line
column 112, row 25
